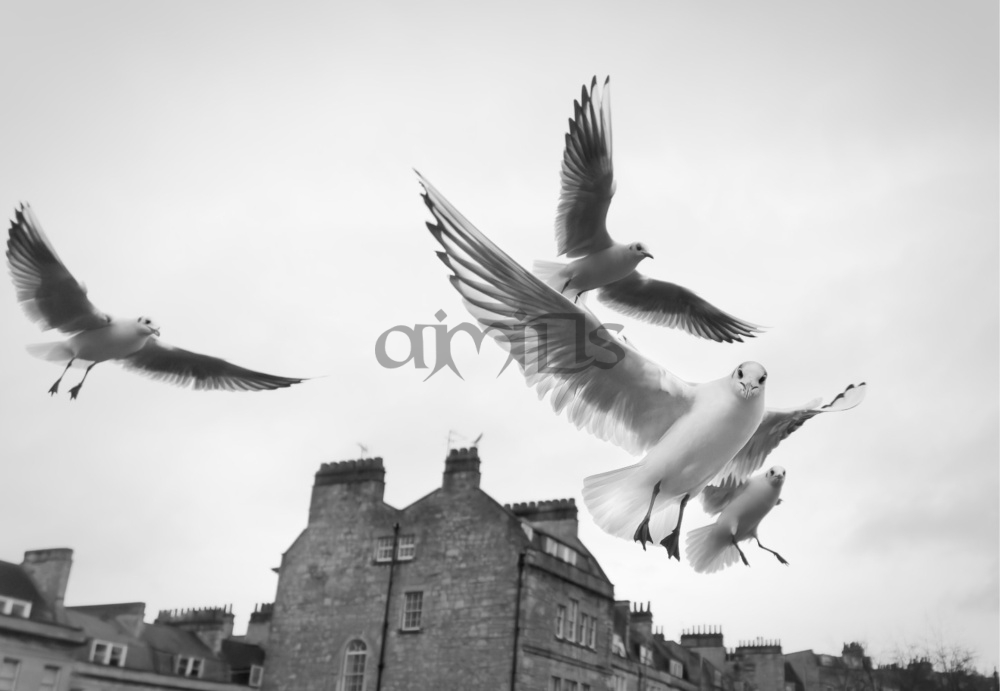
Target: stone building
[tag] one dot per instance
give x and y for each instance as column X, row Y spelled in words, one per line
column 752, row 666
column 852, row 671
column 454, row 591
column 47, row 646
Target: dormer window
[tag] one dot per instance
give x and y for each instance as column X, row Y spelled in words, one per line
column 14, row 607
column 189, row 666
column 645, row 655
column 559, row 550
column 105, row 653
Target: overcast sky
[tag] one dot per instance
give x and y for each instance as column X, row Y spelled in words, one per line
column 241, row 172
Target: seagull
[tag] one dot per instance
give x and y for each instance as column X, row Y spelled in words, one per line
column 54, row 299
column 741, row 508
column 692, row 434
column 607, row 266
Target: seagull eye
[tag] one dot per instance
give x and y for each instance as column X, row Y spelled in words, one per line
column 763, row 378
column 739, row 372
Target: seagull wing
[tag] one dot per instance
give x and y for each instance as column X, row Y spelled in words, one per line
column 668, row 304
column 588, row 181
column 182, row 367
column 47, row 291
column 714, row 498
column 612, row 391
column 777, row 425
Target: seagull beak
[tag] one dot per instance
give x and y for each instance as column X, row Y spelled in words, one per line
column 647, row 254
column 156, row 332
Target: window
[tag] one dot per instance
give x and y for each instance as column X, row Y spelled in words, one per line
column 582, row 631
column 104, row 653
column 256, row 676
column 413, row 603
column 584, row 687
column 593, row 633
column 559, row 550
column 15, row 607
column 8, row 673
column 560, row 621
column 354, row 666
column 407, row 547
column 383, row 549
column 570, row 685
column 617, row 645
column 557, row 684
column 621, row 683
column 574, row 609
column 645, row 655
column 50, row 679
column 189, row 666
column 677, row 669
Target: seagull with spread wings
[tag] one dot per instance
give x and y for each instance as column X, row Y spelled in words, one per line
column 54, row 299
column 740, row 507
column 609, row 267
column 692, row 434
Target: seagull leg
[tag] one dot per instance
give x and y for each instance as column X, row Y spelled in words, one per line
column 780, row 558
column 642, row 532
column 566, row 285
column 742, row 556
column 76, row 389
column 55, row 387
column 672, row 541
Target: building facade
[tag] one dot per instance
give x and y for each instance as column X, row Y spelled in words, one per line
column 454, row 591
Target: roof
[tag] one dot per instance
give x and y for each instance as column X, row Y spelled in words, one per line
column 15, row 582
column 156, row 647
column 241, row 655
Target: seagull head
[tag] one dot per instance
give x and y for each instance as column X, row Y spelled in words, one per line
column 640, row 250
column 748, row 379
column 776, row 476
column 147, row 327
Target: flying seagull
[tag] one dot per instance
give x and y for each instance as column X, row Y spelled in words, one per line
column 693, row 434
column 741, row 508
column 54, row 299
column 607, row 266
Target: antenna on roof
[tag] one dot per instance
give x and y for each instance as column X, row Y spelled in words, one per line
column 364, row 449
column 454, row 436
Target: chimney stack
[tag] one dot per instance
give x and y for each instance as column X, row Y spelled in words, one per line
column 461, row 470
column 49, row 569
column 343, row 486
column 557, row 516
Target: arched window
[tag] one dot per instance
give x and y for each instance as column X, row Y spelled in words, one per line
column 354, row 666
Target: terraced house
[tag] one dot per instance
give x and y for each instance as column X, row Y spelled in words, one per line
column 47, row 646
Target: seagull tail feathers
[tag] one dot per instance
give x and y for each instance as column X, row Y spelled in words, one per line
column 53, row 352
column 618, row 501
column 710, row 549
